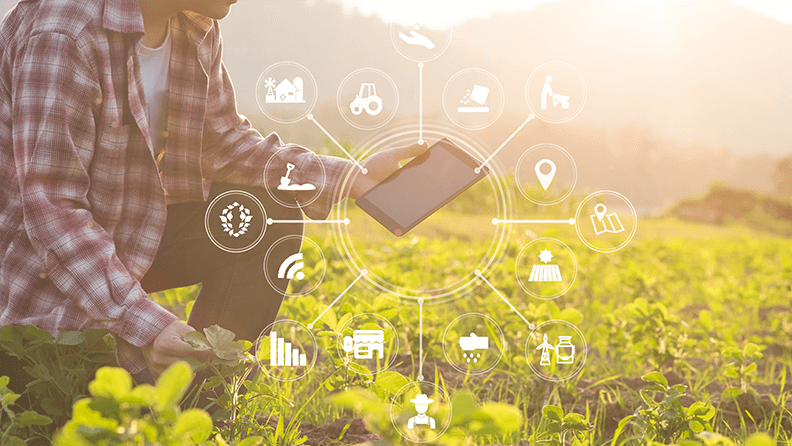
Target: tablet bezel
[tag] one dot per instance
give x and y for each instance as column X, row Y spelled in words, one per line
column 391, row 225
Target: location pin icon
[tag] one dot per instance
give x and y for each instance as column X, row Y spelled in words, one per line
column 545, row 179
column 600, row 211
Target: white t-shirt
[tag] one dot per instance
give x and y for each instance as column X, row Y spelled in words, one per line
column 154, row 67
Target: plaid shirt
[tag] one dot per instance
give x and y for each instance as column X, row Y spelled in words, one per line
column 82, row 197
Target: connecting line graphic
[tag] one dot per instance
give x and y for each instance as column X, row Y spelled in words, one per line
column 420, row 339
column 420, row 103
column 478, row 169
column 570, row 221
column 360, row 276
column 272, row 222
column 481, row 276
column 349, row 155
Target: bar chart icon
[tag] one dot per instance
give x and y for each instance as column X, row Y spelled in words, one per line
column 283, row 354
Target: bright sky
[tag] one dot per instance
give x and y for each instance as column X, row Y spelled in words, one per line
column 459, row 10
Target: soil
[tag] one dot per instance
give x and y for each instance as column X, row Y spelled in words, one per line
column 331, row 434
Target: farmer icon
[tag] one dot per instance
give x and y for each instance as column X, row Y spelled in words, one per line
column 547, row 90
column 422, row 403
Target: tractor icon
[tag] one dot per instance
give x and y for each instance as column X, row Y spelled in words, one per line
column 369, row 102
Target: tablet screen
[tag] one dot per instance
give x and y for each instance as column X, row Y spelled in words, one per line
column 423, row 185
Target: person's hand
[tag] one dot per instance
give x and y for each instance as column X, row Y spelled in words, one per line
column 169, row 347
column 381, row 165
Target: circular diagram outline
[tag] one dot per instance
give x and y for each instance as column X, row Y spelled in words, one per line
column 448, row 43
column 577, row 370
column 285, row 204
column 263, row 226
column 525, row 287
column 500, row 90
column 268, row 329
column 341, row 109
column 308, row 109
column 500, row 353
column 349, row 364
column 626, row 241
column 449, row 416
column 464, row 284
column 571, row 117
column 302, row 239
column 519, row 183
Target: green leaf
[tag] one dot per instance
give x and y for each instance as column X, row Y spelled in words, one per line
column 752, row 351
column 172, row 384
column 4, row 380
column 553, row 413
column 571, row 315
column 10, row 398
column 760, row 439
column 464, row 406
column 730, row 392
column 195, row 424
column 656, row 377
column 31, row 418
column 695, row 426
column 84, row 415
column 251, row 441
column 391, row 381
column 217, row 335
column 506, row 417
column 70, row 338
column 197, row 341
column 112, row 382
column 142, row 395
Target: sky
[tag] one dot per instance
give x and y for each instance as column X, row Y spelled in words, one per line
column 460, row 10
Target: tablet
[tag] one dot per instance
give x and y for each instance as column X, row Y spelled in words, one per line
column 424, row 185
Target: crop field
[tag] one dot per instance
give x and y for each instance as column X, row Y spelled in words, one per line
column 707, row 307
column 687, row 329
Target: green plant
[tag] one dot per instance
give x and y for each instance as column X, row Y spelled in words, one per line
column 741, row 367
column 663, row 418
column 60, row 368
column 118, row 414
column 16, row 426
column 558, row 428
column 230, row 364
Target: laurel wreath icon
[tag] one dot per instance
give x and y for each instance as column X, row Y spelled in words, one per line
column 243, row 216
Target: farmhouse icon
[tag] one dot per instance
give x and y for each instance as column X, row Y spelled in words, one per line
column 287, row 92
column 365, row 342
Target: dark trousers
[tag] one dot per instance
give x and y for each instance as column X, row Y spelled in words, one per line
column 234, row 294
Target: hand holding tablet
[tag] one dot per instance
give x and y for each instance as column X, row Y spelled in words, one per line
column 425, row 184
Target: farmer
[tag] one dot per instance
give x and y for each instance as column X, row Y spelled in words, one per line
column 118, row 125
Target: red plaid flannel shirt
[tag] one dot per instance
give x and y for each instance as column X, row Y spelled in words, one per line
column 82, row 198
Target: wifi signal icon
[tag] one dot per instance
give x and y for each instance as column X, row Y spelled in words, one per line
column 290, row 268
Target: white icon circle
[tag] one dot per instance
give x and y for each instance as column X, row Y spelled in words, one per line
column 375, row 343
column 366, row 245
column 546, row 268
column 556, row 92
column 473, row 99
column 282, row 173
column 239, row 216
column 546, row 174
column 424, row 396
column 286, row 361
column 470, row 352
column 556, row 350
column 286, row 92
column 606, row 221
column 367, row 99
column 309, row 262
column 420, row 42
